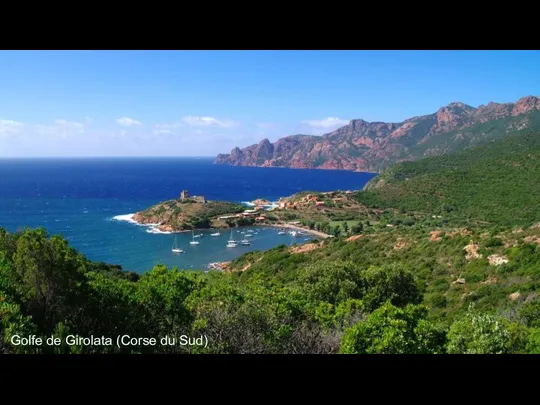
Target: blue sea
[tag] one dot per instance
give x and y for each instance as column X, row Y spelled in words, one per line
column 87, row 200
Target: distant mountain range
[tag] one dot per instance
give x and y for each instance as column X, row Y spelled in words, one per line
column 372, row 146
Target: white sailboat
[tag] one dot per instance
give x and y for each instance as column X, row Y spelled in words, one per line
column 193, row 242
column 215, row 234
column 232, row 243
column 175, row 247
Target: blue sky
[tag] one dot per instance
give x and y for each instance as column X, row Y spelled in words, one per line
column 200, row 103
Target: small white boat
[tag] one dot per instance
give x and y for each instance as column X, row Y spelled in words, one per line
column 232, row 243
column 215, row 234
column 245, row 242
column 193, row 242
column 248, row 235
column 175, row 248
column 281, row 233
column 293, row 233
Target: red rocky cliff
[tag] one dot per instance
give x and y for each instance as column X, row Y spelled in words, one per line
column 370, row 146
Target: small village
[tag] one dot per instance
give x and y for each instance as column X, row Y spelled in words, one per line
column 312, row 200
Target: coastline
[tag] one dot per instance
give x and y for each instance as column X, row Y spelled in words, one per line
column 156, row 227
column 299, row 228
column 298, row 168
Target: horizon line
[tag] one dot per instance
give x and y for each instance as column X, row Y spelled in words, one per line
column 107, row 157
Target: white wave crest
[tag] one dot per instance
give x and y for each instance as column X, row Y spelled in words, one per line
column 129, row 218
column 156, row 230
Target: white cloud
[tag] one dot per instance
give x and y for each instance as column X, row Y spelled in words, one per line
column 8, row 127
column 172, row 125
column 167, row 129
column 61, row 128
column 330, row 122
column 198, row 121
column 88, row 136
column 162, row 131
column 128, row 122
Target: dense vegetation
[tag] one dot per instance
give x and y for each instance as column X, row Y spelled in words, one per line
column 496, row 182
column 394, row 291
column 419, row 279
column 189, row 214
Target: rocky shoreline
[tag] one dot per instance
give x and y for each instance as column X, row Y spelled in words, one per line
column 165, row 228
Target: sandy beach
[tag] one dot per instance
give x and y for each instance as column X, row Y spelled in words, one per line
column 299, row 228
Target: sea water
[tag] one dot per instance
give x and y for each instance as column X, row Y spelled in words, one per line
column 89, row 202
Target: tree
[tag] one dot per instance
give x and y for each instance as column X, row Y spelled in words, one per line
column 345, row 227
column 330, row 282
column 478, row 333
column 163, row 292
column 393, row 330
column 389, row 283
column 530, row 312
column 533, row 346
column 50, row 276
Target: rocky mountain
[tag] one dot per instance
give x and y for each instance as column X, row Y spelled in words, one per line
column 372, row 146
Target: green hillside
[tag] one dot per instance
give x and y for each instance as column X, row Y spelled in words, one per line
column 478, row 134
column 413, row 285
column 496, row 182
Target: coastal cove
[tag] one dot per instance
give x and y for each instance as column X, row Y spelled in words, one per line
column 80, row 199
column 212, row 249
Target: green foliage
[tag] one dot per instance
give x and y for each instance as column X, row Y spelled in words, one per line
column 494, row 182
column 189, row 214
column 358, row 228
column 162, row 293
column 533, row 345
column 404, row 288
column 13, row 322
column 393, row 330
column 493, row 242
column 476, row 270
column 389, row 283
column 478, row 333
column 530, row 312
column 519, row 336
column 331, row 282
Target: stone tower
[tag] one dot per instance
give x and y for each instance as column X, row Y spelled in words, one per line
column 184, row 195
